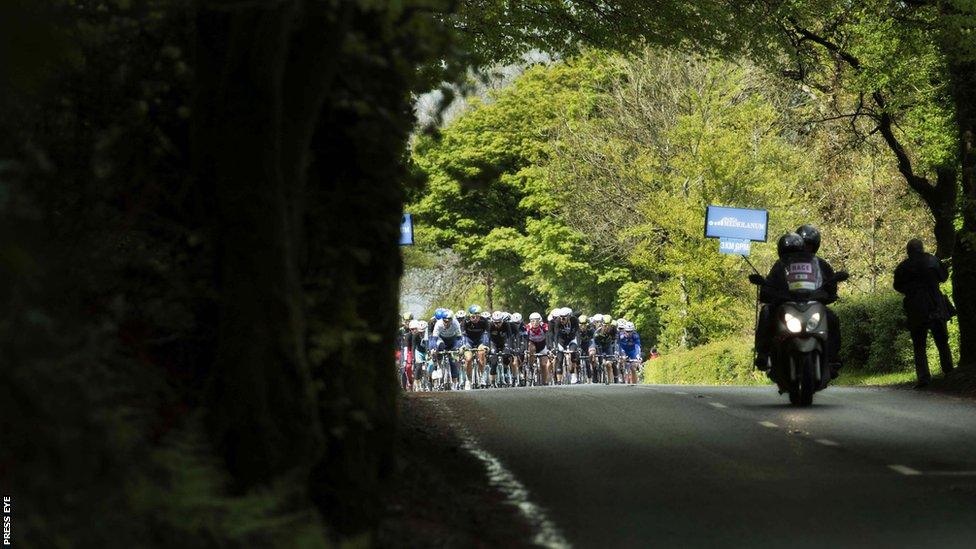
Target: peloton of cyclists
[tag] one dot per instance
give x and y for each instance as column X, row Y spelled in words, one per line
column 518, row 349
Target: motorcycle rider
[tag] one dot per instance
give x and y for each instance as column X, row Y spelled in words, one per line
column 796, row 269
column 811, row 244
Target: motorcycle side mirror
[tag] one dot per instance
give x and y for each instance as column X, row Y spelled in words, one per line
column 841, row 276
column 757, row 279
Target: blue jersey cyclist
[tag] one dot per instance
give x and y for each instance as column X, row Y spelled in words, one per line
column 629, row 349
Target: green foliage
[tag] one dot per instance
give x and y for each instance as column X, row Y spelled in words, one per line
column 603, row 210
column 875, row 336
column 722, row 362
column 488, row 199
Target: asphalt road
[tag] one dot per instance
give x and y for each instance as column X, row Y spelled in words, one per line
column 679, row 466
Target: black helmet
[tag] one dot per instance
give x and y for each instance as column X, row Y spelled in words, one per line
column 810, row 236
column 789, row 243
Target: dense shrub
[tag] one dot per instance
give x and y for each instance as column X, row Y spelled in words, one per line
column 727, row 361
column 875, row 336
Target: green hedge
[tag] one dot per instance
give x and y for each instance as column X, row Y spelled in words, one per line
column 723, row 362
column 875, row 338
column 875, row 341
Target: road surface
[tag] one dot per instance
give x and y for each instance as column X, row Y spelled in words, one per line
column 682, row 466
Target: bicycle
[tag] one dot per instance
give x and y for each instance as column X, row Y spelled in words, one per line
column 502, row 367
column 441, row 376
column 563, row 357
column 632, row 367
column 601, row 368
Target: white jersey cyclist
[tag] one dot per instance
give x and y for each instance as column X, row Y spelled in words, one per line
column 451, row 329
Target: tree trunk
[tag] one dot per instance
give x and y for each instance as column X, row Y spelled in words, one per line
column 262, row 413
column 963, row 87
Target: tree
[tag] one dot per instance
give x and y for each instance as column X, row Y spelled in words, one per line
column 881, row 48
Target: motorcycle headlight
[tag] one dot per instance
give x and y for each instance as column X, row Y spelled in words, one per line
column 813, row 322
column 793, row 323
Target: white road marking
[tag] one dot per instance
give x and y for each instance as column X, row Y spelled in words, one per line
column 680, row 393
column 546, row 533
column 905, row 470
column 717, row 405
column 827, row 442
column 769, row 424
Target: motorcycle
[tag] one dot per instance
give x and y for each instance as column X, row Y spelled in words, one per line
column 798, row 357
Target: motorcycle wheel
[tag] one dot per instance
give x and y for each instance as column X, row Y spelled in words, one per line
column 801, row 390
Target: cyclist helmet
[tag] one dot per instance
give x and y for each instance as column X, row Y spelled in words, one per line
column 789, row 243
column 460, row 314
column 629, row 327
column 567, row 311
column 474, row 309
column 596, row 318
column 423, row 325
column 485, row 314
column 583, row 319
column 535, row 316
column 438, row 313
column 498, row 316
column 407, row 316
column 448, row 315
column 414, row 325
column 516, row 317
column 810, row 236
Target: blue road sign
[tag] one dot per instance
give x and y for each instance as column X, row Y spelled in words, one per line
column 736, row 223
column 406, row 230
column 734, row 246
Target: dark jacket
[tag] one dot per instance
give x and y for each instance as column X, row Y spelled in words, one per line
column 918, row 278
column 779, row 274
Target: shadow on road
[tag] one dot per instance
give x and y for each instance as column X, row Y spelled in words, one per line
column 788, row 406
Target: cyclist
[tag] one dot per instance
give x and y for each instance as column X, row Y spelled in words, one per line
column 501, row 334
column 604, row 341
column 422, row 349
column 585, row 339
column 537, row 337
column 566, row 338
column 518, row 343
column 401, row 340
column 629, row 348
column 474, row 327
column 446, row 336
column 413, row 348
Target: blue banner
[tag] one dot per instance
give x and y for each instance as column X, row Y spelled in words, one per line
column 406, row 230
column 734, row 246
column 736, row 223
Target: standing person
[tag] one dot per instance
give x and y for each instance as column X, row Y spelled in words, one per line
column 926, row 308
